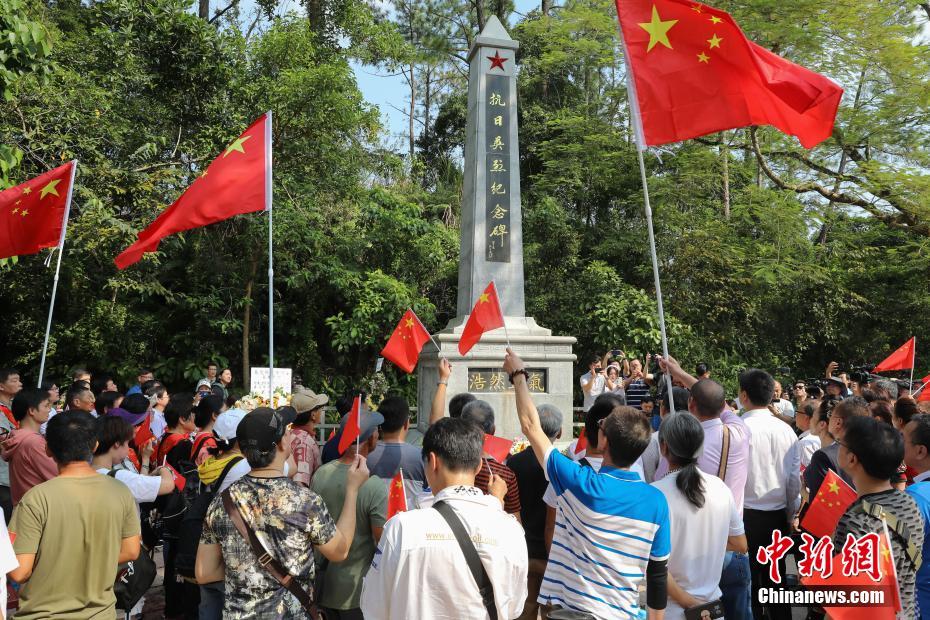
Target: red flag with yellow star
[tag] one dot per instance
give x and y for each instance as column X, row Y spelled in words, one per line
column 33, row 214
column 405, row 344
column 485, row 316
column 695, row 72
column 238, row 181
column 397, row 496
column 831, row 501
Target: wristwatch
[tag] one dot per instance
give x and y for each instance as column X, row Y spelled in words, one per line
column 442, row 383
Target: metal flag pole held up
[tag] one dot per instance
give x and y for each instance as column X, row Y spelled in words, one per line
column 640, row 147
column 268, row 206
column 61, row 248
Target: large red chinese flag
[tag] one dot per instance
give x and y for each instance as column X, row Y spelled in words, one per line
column 831, row 501
column 902, row 359
column 238, row 181
column 695, row 73
column 405, row 344
column 838, row 581
column 353, row 427
column 32, row 214
column 397, row 496
column 485, row 316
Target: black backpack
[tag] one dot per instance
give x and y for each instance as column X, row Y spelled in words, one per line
column 172, row 507
column 191, row 527
column 133, row 579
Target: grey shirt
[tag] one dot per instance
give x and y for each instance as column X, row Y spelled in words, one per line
column 387, row 458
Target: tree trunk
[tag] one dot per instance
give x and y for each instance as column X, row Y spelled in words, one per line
column 315, row 14
column 246, row 323
column 725, row 159
column 204, row 9
column 545, row 7
column 479, row 13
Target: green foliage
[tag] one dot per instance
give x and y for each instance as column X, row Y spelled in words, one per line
column 770, row 255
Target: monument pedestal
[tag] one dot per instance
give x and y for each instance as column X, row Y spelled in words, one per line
column 549, row 360
column 492, row 251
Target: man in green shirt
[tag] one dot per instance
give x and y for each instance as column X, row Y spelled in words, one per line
column 70, row 533
column 342, row 582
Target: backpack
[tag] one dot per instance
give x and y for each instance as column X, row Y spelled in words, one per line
column 191, row 526
column 172, row 507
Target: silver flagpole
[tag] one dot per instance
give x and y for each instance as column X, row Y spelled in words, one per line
column 913, row 363
column 268, row 205
column 640, row 147
column 61, row 249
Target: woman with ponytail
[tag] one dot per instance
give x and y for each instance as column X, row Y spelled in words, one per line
column 704, row 518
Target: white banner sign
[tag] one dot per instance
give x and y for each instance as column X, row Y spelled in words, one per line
column 261, row 380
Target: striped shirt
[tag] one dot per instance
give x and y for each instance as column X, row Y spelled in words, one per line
column 483, row 480
column 636, row 391
column 608, row 525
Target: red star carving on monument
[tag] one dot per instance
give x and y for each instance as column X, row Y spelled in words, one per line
column 497, row 60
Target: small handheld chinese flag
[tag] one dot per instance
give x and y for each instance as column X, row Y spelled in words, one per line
column 924, row 389
column 332, row 434
column 831, row 501
column 582, row 443
column 33, row 214
column 695, row 73
column 836, row 580
column 406, row 342
column 902, row 359
column 397, row 497
column 144, row 434
column 353, row 428
column 238, row 181
column 497, row 447
column 179, row 481
column 485, row 316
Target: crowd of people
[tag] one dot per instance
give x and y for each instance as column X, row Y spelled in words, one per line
column 659, row 511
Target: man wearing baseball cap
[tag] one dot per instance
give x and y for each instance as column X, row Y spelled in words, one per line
column 309, row 407
column 289, row 519
column 342, row 583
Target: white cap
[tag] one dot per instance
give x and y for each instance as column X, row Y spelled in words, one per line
column 227, row 423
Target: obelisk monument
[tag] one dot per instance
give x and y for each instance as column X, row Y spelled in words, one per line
column 492, row 249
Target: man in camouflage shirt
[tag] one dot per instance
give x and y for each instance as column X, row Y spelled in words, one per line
column 870, row 453
column 288, row 519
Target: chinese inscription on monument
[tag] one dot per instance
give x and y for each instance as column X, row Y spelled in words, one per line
column 497, row 158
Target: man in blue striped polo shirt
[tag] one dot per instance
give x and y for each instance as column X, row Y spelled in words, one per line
column 612, row 529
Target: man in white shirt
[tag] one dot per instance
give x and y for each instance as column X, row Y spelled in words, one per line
column 592, row 382
column 420, row 543
column 773, row 481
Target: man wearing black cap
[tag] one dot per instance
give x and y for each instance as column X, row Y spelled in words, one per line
column 287, row 518
column 342, row 583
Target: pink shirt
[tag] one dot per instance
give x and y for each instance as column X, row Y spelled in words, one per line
column 306, row 455
column 709, row 461
column 29, row 463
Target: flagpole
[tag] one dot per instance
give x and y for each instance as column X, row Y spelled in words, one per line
column 640, row 147
column 358, row 421
column 61, row 248
column 501, row 310
column 894, row 569
column 427, row 331
column 268, row 206
column 913, row 363
column 920, row 389
column 403, row 488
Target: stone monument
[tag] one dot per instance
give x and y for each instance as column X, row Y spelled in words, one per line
column 492, row 249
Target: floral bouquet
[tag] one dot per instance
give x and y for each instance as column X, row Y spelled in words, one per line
column 255, row 400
